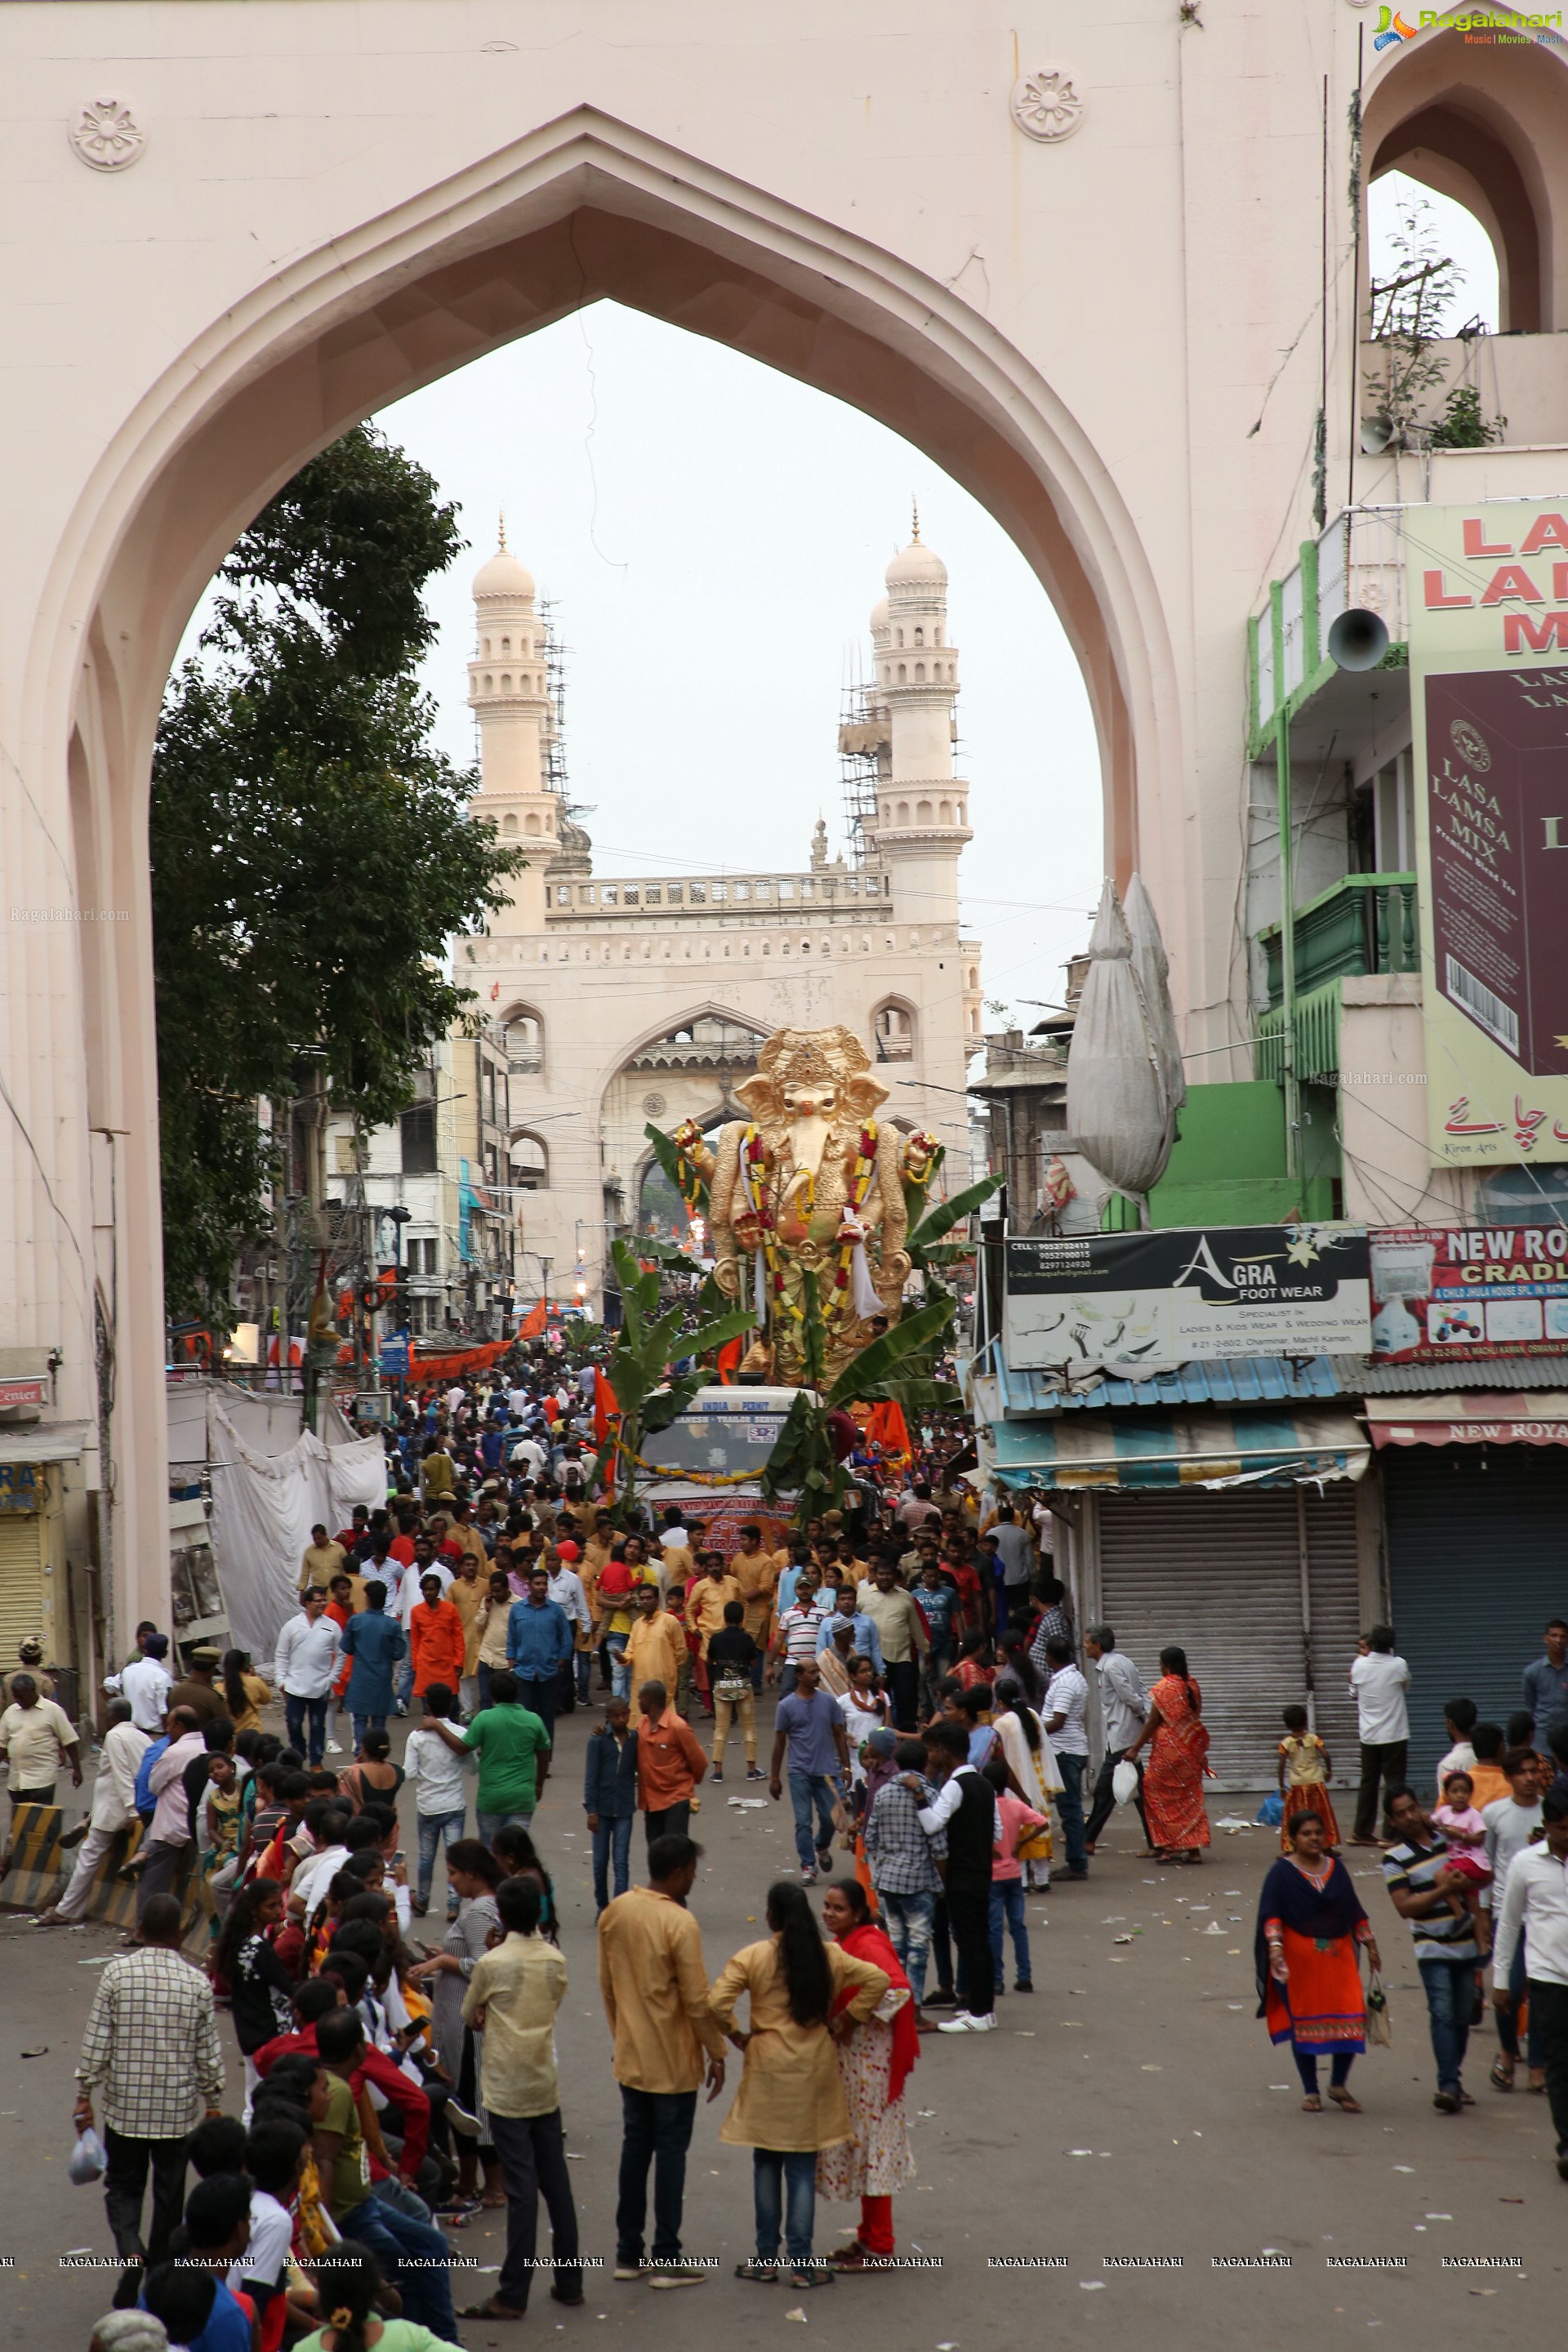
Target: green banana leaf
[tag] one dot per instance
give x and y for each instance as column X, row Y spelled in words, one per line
column 947, row 1214
column 665, row 1152
column 917, row 1334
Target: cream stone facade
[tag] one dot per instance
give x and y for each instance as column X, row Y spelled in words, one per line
column 1099, row 283
column 646, row 997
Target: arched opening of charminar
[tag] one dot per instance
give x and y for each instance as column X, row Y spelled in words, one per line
column 581, row 212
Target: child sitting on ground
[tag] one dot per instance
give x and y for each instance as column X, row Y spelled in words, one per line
column 1304, row 1768
column 1465, row 1834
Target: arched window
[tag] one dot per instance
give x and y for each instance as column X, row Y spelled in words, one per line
column 920, row 673
column 522, row 1033
column 900, row 637
column 944, row 812
column 529, row 1163
column 487, row 650
column 885, row 819
column 903, row 812
column 962, row 813
column 550, row 820
column 919, row 636
column 974, row 980
column 508, row 824
column 505, row 644
column 922, row 812
column 489, row 682
column 903, row 674
column 531, row 823
column 506, row 685
column 974, row 1020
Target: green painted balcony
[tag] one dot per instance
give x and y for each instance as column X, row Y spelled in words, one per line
column 1365, row 923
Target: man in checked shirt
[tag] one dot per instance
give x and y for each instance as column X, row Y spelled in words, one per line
column 151, row 2041
column 906, row 1865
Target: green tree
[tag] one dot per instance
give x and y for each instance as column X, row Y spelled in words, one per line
column 311, row 851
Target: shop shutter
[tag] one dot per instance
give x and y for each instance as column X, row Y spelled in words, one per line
column 1221, row 1574
column 21, row 1582
column 1478, row 1554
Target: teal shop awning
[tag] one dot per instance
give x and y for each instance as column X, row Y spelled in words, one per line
column 1191, row 1449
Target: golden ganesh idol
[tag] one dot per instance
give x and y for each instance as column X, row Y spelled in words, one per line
column 810, row 1185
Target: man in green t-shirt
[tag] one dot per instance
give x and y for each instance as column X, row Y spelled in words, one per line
column 514, row 1749
column 412, row 2254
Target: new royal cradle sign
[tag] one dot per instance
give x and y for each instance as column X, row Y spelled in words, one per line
column 1487, row 598
column 1130, row 1303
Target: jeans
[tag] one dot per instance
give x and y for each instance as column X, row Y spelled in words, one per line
column 404, row 1686
column 485, row 1675
column 1008, row 1909
column 124, row 2184
column 938, row 1660
column 675, row 1821
column 807, row 1790
column 1105, row 1797
column 425, row 2280
column 489, row 1822
column 1549, row 2017
column 612, row 1839
column 364, row 1724
column 539, row 1699
column 744, row 1712
column 436, row 1828
column 1070, row 1805
column 1386, row 1762
column 908, row 1919
column 785, row 2189
column 532, row 2155
column 969, row 1914
column 620, row 1672
column 655, row 2128
column 295, row 1710
column 1450, row 1996
column 1507, row 2019
column 583, row 1669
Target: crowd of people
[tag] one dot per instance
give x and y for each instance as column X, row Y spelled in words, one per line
column 931, row 1733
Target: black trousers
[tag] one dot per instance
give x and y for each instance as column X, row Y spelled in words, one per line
column 1548, row 2016
column 904, row 1690
column 1385, row 1763
column 969, row 1917
column 675, row 1821
column 125, row 2185
column 1105, row 1801
column 532, row 2153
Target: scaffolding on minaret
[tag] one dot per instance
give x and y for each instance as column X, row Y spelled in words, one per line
column 863, row 743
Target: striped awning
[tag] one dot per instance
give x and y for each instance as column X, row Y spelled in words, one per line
column 1193, row 1449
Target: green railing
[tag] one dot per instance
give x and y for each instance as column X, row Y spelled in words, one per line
column 1316, row 1038
column 1364, row 924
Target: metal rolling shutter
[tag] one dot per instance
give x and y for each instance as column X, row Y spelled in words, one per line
column 21, row 1582
column 1478, row 1552
column 1336, row 1622
column 1221, row 1574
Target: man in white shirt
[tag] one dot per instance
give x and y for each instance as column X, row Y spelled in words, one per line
column 566, row 1592
column 1123, row 1710
column 1067, row 1721
column 146, row 1682
column 1536, row 1907
column 113, row 1809
column 1379, row 1680
column 305, row 1670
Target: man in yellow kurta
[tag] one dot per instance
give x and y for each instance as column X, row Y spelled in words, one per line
column 656, row 1646
column 705, row 1613
column 655, row 1990
column 756, row 1572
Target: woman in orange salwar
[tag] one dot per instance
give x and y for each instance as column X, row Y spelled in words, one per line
column 1178, row 1753
column 1310, row 1925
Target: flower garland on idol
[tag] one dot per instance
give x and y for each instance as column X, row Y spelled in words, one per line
column 756, row 1229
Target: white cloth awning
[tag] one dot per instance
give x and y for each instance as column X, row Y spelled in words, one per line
column 45, row 1441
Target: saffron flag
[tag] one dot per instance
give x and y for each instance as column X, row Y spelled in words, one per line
column 729, row 1362
column 606, row 1408
column 533, row 1323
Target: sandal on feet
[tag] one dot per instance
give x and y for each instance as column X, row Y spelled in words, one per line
column 813, row 2277
column 1312, row 2106
column 1501, row 2074
column 758, row 2273
column 490, row 2310
column 494, row 2200
column 1342, row 2098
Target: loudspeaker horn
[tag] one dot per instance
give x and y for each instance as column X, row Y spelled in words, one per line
column 1358, row 639
column 1376, row 433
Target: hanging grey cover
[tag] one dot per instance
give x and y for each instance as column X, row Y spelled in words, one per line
column 1117, row 1097
column 1153, row 968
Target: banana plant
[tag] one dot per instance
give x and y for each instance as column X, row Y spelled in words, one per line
column 646, row 1398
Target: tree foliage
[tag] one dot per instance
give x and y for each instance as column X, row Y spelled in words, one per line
column 311, row 851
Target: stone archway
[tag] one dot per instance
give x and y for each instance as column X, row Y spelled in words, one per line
column 582, row 209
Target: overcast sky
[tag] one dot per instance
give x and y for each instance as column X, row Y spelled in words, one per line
column 715, row 536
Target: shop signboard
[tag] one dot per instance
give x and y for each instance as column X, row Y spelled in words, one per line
column 1134, row 1303
column 1488, row 599
column 1451, row 1294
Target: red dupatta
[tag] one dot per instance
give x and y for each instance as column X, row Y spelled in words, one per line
column 868, row 1943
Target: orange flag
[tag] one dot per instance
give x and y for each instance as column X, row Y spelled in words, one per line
column 891, row 1429
column 533, row 1323
column 605, row 1408
column 729, row 1362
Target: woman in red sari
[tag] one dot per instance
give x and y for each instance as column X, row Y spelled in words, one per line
column 874, row 2063
column 1178, row 1755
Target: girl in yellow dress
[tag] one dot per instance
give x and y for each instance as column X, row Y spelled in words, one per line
column 1304, row 1768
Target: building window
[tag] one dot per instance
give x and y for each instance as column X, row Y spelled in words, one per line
column 418, row 1126
column 629, row 895
column 650, row 897
column 564, row 894
column 893, row 1033
column 506, row 682
column 743, row 890
column 721, row 893
column 903, row 674
column 922, row 812
column 786, row 890
column 530, row 824
column 508, row 823
column 586, row 894
column 674, row 894
column 903, row 812
column 609, row 898
column 945, row 812
column 489, row 684
column 763, row 889
column 522, row 1034
column 920, row 640
column 699, row 894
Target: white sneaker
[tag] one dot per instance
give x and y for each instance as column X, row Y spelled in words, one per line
column 962, row 2023
column 983, row 2024
column 332, row 1748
